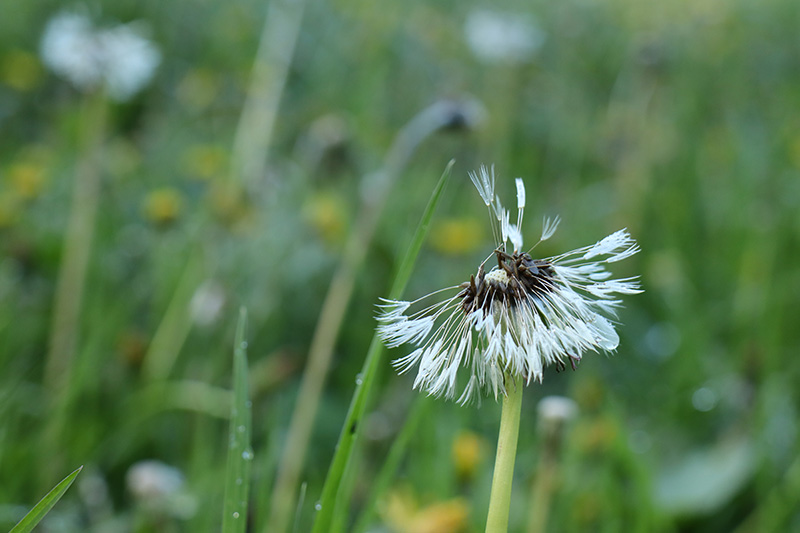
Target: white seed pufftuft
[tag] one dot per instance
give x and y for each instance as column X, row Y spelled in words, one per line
column 120, row 59
column 521, row 316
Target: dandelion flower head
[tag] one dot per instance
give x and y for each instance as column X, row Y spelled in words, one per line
column 515, row 318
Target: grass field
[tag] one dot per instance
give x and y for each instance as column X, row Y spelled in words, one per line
column 283, row 154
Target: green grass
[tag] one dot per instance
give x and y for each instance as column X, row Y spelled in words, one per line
column 35, row 515
column 674, row 120
column 240, row 453
column 335, row 495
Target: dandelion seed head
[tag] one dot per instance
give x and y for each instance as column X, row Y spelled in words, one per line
column 522, row 315
column 500, row 37
column 120, row 59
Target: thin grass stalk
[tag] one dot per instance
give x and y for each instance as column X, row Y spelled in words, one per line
column 268, row 79
column 240, row 454
column 77, row 246
column 72, row 273
column 500, row 497
column 176, row 324
column 343, row 454
column 388, row 471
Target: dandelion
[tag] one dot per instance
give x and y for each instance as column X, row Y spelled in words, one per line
column 207, row 302
column 518, row 317
column 152, row 480
column 499, row 37
column 501, row 328
column 159, row 490
column 119, row 59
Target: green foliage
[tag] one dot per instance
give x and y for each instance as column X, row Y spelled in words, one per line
column 240, row 454
column 331, row 502
column 35, row 515
column 672, row 119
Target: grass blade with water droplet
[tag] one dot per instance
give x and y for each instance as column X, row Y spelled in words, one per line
column 331, row 498
column 36, row 514
column 240, row 454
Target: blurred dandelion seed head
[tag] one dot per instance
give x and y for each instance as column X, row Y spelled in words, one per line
column 497, row 37
column 153, row 479
column 160, row 489
column 120, row 59
column 207, row 303
column 557, row 409
column 518, row 317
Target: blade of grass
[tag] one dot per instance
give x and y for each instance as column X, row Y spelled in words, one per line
column 36, row 514
column 240, row 454
column 270, row 71
column 342, row 458
column 419, row 409
column 174, row 328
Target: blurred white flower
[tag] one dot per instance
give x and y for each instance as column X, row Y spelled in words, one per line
column 207, row 303
column 517, row 318
column 159, row 488
column 120, row 59
column 497, row 37
column 150, row 479
column 557, row 409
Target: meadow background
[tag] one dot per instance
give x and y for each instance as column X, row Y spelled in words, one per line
column 678, row 120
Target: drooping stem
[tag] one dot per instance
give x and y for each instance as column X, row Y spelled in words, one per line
column 500, row 499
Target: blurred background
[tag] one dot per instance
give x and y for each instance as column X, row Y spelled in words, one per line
column 164, row 163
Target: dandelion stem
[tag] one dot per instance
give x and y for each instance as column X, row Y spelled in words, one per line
column 77, row 247
column 72, row 275
column 500, row 499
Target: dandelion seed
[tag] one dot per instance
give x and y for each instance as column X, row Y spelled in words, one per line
column 514, row 319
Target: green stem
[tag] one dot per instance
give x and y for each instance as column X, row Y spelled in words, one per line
column 500, row 499
column 71, row 282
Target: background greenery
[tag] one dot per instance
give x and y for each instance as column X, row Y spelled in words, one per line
column 678, row 120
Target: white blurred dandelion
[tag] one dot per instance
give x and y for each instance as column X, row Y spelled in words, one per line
column 499, row 37
column 152, row 480
column 207, row 303
column 160, row 489
column 515, row 319
column 119, row 59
